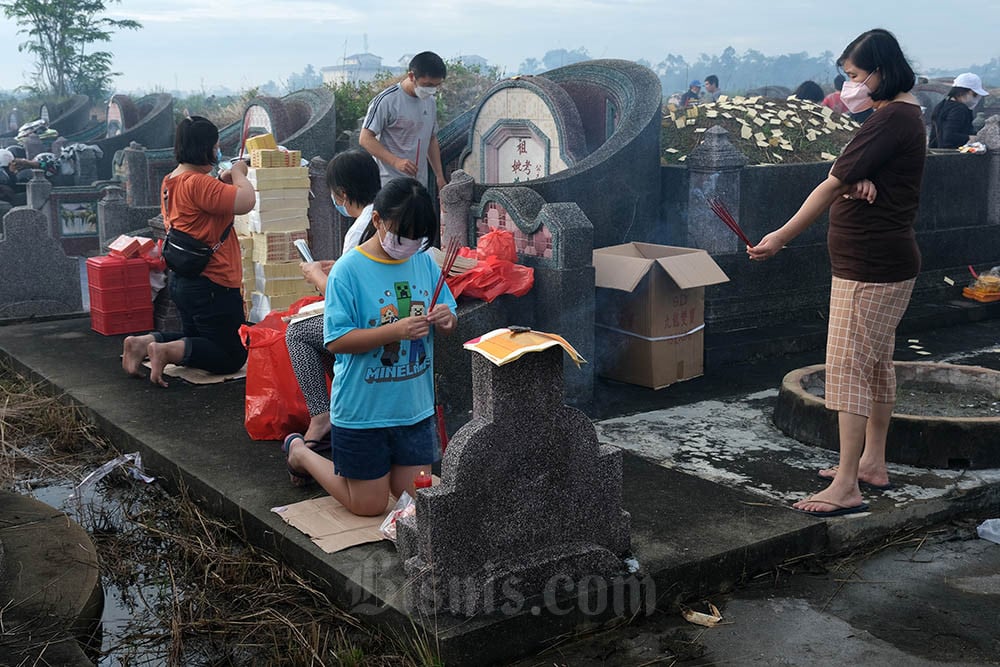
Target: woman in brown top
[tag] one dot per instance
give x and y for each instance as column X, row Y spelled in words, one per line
column 872, row 192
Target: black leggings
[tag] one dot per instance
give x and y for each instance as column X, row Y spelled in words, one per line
column 211, row 316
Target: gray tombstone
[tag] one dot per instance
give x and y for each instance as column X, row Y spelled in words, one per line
column 456, row 198
column 527, row 494
column 38, row 277
column 990, row 136
column 715, row 166
column 39, row 190
column 113, row 219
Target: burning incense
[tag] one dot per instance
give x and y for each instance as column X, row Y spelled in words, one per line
column 451, row 254
column 720, row 210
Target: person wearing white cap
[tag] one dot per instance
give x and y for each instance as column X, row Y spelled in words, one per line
column 951, row 120
column 7, row 177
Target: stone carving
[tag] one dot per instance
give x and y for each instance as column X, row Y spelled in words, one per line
column 527, row 494
column 26, row 289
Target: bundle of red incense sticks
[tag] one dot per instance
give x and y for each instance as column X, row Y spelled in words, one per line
column 720, row 210
column 450, row 254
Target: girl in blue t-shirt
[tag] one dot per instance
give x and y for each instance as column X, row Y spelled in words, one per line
column 379, row 325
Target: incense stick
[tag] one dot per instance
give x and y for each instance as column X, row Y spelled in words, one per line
column 451, row 254
column 723, row 213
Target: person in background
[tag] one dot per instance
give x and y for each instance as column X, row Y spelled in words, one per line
column 379, row 324
column 693, row 94
column 353, row 179
column 7, row 176
column 872, row 193
column 211, row 304
column 810, row 91
column 712, row 91
column 833, row 99
column 951, row 120
column 400, row 127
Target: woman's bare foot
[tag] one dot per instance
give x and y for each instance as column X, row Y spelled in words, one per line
column 829, row 499
column 133, row 352
column 157, row 361
column 878, row 479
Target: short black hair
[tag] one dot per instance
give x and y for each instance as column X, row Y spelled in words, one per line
column 354, row 175
column 838, row 81
column 959, row 91
column 809, row 90
column 407, row 205
column 712, row 79
column 878, row 50
column 428, row 63
column 194, row 141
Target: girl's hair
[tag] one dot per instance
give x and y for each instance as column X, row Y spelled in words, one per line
column 194, row 141
column 406, row 205
column 354, row 174
column 809, row 90
column 958, row 91
column 878, row 50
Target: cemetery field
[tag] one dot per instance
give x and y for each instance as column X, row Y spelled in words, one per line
column 181, row 587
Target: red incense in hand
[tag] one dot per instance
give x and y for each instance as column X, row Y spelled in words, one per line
column 450, row 255
column 720, row 210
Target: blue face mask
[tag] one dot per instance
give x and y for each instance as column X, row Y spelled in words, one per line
column 340, row 208
column 218, row 155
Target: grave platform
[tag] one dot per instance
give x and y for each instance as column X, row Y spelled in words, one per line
column 696, row 529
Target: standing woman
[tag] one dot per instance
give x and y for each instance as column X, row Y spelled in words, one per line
column 872, row 193
column 210, row 304
column 951, row 120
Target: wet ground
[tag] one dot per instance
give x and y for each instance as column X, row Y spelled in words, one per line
column 930, row 598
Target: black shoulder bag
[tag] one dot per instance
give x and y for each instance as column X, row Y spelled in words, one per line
column 187, row 256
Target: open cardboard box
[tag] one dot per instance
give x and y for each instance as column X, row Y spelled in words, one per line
column 650, row 312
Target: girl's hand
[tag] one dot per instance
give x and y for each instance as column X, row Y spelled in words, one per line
column 767, row 248
column 412, row 328
column 442, row 319
column 316, row 273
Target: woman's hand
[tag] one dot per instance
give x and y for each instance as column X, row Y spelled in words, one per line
column 768, row 247
column 863, row 189
column 226, row 176
column 316, row 273
column 442, row 319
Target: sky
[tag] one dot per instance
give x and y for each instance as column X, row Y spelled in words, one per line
column 196, row 45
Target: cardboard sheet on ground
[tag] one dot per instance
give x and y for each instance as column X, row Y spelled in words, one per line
column 330, row 526
column 199, row 376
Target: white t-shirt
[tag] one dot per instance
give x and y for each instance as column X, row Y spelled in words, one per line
column 404, row 124
column 356, row 230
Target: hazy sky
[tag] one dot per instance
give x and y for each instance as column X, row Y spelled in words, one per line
column 195, row 44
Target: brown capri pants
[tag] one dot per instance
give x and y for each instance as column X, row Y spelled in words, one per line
column 860, row 342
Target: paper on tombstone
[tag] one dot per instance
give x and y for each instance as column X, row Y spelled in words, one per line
column 502, row 346
column 133, row 462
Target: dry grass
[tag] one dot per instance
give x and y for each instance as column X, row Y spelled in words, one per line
column 194, row 590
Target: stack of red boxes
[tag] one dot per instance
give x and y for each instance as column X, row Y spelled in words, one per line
column 120, row 296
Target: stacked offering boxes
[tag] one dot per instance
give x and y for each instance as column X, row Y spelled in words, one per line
column 246, row 253
column 268, row 158
column 279, row 217
column 121, row 300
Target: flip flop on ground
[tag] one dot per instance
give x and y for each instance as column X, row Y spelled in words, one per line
column 862, row 483
column 294, row 476
column 839, row 510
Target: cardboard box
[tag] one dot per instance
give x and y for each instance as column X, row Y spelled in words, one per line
column 650, row 312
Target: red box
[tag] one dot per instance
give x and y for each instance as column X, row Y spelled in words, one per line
column 128, row 321
column 113, row 300
column 109, row 272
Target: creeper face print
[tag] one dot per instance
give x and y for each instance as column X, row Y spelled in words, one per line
column 390, row 353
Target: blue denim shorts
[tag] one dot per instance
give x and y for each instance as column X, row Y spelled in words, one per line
column 369, row 453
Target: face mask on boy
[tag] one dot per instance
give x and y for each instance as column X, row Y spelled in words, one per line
column 424, row 92
column 341, row 208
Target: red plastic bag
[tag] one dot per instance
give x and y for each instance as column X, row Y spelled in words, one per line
column 491, row 278
column 275, row 405
column 498, row 243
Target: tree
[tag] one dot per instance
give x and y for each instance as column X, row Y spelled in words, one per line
column 309, row 78
column 60, row 32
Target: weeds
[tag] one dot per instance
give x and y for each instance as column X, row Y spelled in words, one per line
column 195, row 591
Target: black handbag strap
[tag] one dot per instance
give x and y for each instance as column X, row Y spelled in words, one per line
column 222, row 239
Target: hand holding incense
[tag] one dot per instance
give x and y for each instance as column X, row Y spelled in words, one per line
column 449, row 261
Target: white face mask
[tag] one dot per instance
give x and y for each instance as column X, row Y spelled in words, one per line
column 425, row 92
column 971, row 101
column 398, row 247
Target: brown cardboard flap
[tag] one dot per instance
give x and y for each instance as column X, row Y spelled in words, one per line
column 693, row 269
column 619, row 271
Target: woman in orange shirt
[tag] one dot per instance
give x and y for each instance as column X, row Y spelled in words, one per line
column 211, row 304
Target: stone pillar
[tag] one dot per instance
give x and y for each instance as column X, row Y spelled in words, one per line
column 39, row 190
column 990, row 136
column 326, row 227
column 112, row 216
column 456, row 199
column 715, row 166
column 553, row 506
column 32, row 146
column 134, row 172
column 86, row 166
